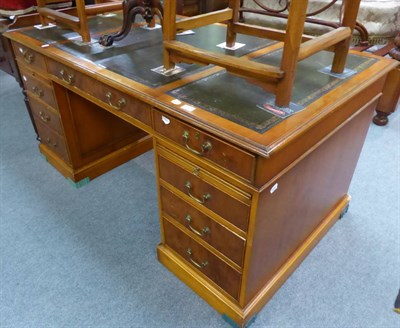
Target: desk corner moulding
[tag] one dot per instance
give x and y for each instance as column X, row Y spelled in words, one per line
column 252, row 151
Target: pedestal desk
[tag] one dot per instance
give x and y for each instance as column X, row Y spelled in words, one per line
column 245, row 193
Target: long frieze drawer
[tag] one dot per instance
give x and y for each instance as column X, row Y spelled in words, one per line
column 45, row 114
column 52, row 140
column 30, row 58
column 198, row 257
column 113, row 98
column 39, row 87
column 206, row 228
column 205, row 145
column 205, row 194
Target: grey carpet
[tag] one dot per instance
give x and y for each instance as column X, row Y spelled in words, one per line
column 87, row 257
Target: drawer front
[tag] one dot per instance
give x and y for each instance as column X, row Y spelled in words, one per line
column 207, row 195
column 51, row 139
column 199, row 258
column 45, row 114
column 110, row 97
column 39, row 88
column 205, row 145
column 207, row 229
column 30, row 58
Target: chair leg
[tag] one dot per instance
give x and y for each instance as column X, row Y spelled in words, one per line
column 350, row 11
column 169, row 31
column 291, row 48
column 83, row 24
column 230, row 32
column 41, row 4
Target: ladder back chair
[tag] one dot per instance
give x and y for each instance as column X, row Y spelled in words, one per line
column 296, row 46
column 79, row 22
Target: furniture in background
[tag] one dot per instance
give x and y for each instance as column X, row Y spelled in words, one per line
column 244, row 195
column 395, row 51
column 378, row 21
column 23, row 7
column 196, row 7
column 391, row 93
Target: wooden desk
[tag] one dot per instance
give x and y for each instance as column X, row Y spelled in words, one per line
column 244, row 195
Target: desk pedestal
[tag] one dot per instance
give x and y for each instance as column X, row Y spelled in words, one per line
column 287, row 217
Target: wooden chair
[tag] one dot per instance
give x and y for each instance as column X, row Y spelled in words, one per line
column 296, row 47
column 79, row 22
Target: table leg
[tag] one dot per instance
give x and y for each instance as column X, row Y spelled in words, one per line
column 390, row 98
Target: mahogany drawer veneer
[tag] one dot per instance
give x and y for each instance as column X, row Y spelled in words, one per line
column 52, row 140
column 197, row 256
column 46, row 114
column 38, row 86
column 30, row 58
column 204, row 221
column 40, row 93
column 205, row 145
column 197, row 223
column 105, row 95
column 201, row 187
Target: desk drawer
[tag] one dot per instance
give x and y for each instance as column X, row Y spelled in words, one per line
column 38, row 87
column 112, row 98
column 52, row 140
column 30, row 58
column 204, row 192
column 205, row 145
column 199, row 258
column 45, row 114
column 206, row 228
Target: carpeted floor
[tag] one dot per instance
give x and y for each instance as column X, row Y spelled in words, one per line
column 87, row 257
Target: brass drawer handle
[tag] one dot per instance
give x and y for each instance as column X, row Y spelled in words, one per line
column 202, row 233
column 28, row 56
column 121, row 103
column 205, row 147
column 44, row 117
column 50, row 143
column 199, row 265
column 38, row 92
column 204, row 197
column 68, row 78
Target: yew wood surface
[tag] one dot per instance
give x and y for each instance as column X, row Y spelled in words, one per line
column 287, row 151
column 305, row 193
column 262, row 144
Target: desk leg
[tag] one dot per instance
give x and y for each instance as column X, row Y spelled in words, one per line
column 390, row 97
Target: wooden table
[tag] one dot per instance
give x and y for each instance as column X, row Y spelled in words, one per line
column 244, row 194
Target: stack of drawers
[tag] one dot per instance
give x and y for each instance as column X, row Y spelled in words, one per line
column 204, row 218
column 39, row 90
